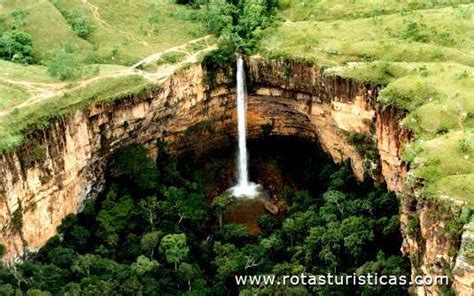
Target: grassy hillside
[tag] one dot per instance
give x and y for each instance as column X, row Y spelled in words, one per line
column 423, row 56
column 303, row 10
column 123, row 32
column 105, row 38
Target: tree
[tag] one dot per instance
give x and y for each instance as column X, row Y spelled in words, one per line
column 66, row 65
column 16, row 46
column 335, row 199
column 62, row 257
column 188, row 272
column 268, row 223
column 84, row 263
column 253, row 18
column 144, row 265
column 186, row 204
column 229, row 260
column 7, row 290
column 149, row 241
column 113, row 219
column 36, row 292
column 218, row 16
column 174, row 248
column 298, row 224
column 240, row 24
column 150, row 207
column 357, row 233
column 272, row 243
column 133, row 164
column 81, row 25
column 220, row 205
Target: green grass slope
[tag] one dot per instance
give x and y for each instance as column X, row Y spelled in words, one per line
column 424, row 60
column 122, row 33
column 45, row 24
column 303, row 10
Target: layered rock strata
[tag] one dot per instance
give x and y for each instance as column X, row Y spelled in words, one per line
column 56, row 169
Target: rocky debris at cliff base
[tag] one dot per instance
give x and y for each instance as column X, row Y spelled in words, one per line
column 271, row 208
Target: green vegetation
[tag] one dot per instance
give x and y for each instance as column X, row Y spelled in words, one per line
column 65, row 65
column 17, row 219
column 364, row 144
column 420, row 52
column 119, row 32
column 305, row 10
column 171, row 58
column 40, row 114
column 82, row 55
column 153, row 232
column 79, row 22
column 238, row 24
column 16, row 46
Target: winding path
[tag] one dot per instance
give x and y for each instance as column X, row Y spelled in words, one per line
column 49, row 90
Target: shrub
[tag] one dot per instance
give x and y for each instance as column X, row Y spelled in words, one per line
column 65, row 65
column 35, row 152
column 79, row 22
column 18, row 18
column 363, row 144
column 16, row 46
column 17, row 219
column 413, row 225
column 465, row 145
column 81, row 25
column 415, row 31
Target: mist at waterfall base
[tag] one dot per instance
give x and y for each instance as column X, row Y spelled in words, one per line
column 244, row 188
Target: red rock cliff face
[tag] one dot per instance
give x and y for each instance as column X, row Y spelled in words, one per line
column 293, row 98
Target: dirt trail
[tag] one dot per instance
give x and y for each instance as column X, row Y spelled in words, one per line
column 155, row 57
column 45, row 91
column 96, row 13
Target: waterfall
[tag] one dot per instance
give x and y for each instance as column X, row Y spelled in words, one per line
column 242, row 123
column 243, row 187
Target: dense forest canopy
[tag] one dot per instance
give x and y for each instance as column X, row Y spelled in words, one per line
column 156, row 231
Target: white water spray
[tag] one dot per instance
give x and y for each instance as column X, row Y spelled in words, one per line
column 244, row 188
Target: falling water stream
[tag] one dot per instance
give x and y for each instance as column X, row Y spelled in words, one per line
column 244, row 187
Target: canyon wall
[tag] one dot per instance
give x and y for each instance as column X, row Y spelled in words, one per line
column 351, row 125
column 58, row 168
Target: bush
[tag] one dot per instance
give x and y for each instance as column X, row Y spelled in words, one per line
column 79, row 22
column 363, row 144
column 18, row 18
column 17, row 219
column 81, row 25
column 16, row 46
column 66, row 65
column 415, row 31
column 465, row 145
